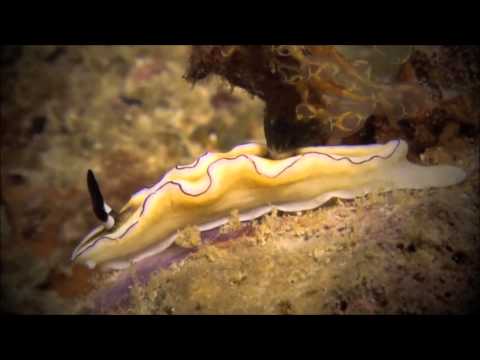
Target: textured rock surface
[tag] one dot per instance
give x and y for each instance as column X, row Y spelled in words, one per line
column 398, row 253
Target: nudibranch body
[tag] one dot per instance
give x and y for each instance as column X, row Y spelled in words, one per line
column 205, row 192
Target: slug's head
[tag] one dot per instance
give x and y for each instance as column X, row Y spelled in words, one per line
column 100, row 244
column 102, row 211
column 100, row 208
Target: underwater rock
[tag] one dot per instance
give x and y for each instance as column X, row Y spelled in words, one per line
column 314, row 95
column 317, row 95
column 118, row 294
column 397, row 253
column 5, row 228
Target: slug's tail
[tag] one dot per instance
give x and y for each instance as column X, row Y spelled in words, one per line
column 414, row 176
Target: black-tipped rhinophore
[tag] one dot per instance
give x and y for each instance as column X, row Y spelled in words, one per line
column 96, row 197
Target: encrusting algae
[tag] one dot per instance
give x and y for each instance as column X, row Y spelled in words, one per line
column 338, row 268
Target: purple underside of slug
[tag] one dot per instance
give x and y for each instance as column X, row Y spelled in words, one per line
column 119, row 294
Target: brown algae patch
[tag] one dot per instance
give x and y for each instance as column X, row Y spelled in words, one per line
column 188, row 237
column 233, row 223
